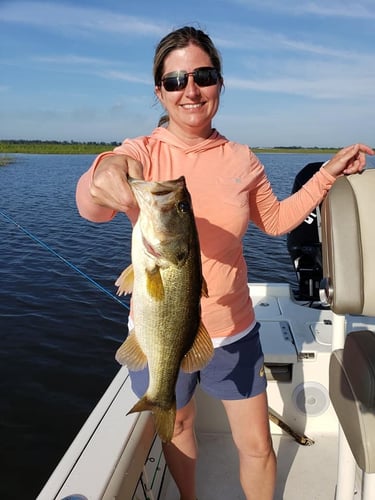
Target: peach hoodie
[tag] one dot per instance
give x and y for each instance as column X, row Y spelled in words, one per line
column 229, row 188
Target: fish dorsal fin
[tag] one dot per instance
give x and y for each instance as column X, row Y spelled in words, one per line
column 130, row 353
column 200, row 352
column 125, row 281
column 155, row 285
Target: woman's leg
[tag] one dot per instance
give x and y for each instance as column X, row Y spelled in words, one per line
column 181, row 453
column 249, row 422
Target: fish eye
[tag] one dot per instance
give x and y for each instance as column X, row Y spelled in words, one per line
column 183, row 206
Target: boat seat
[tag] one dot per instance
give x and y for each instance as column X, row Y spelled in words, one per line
column 352, row 392
column 348, row 250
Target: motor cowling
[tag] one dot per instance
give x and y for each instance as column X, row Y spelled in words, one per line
column 304, row 243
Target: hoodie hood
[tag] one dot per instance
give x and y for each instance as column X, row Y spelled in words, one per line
column 164, row 135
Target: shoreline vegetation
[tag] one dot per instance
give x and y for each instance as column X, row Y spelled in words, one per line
column 92, row 147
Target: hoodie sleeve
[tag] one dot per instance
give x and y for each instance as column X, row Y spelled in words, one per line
column 87, row 208
column 276, row 217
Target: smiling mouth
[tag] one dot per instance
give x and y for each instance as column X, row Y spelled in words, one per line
column 192, row 106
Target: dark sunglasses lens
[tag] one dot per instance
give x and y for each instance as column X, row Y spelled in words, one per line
column 206, row 77
column 175, row 82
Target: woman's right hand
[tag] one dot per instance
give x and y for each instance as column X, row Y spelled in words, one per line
column 109, row 186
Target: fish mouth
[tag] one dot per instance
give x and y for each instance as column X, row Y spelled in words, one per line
column 176, row 258
column 158, row 188
column 149, row 248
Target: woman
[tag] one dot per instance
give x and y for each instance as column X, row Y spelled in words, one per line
column 229, row 188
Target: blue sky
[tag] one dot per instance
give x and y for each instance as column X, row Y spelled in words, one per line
column 296, row 72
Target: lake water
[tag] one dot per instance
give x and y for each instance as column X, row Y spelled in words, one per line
column 59, row 330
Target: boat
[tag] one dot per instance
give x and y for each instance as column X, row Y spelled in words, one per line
column 319, row 347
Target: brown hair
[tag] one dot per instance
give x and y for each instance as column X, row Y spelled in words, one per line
column 180, row 39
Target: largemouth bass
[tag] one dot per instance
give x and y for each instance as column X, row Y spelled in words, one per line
column 166, row 283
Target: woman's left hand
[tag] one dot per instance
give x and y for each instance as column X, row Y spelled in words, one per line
column 349, row 160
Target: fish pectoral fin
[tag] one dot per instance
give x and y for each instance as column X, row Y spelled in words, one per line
column 125, row 281
column 204, row 288
column 200, row 352
column 130, row 353
column 155, row 285
column 164, row 418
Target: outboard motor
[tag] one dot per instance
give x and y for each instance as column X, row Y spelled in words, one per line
column 304, row 244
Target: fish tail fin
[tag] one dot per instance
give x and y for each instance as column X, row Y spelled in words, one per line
column 164, row 418
column 164, row 422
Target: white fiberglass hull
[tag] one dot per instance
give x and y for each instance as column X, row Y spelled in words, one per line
column 118, row 456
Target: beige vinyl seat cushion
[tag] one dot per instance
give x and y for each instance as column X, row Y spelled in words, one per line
column 348, row 248
column 352, row 392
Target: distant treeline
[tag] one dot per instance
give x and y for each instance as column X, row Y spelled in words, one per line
column 93, row 147
column 294, row 149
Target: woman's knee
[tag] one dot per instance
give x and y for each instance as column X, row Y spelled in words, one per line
column 185, row 418
column 249, row 423
column 255, row 446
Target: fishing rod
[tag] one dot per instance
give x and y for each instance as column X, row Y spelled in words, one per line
column 67, row 262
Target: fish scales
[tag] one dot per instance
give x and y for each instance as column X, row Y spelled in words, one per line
column 166, row 284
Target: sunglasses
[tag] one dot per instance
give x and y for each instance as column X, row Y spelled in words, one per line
column 203, row 77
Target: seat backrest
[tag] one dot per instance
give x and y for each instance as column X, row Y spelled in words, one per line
column 348, row 242
column 348, row 251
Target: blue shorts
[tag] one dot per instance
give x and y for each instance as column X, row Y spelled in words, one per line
column 235, row 372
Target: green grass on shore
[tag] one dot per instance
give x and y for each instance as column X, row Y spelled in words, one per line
column 55, row 147
column 72, row 147
column 6, row 160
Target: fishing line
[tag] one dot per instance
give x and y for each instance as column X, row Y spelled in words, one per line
column 67, row 262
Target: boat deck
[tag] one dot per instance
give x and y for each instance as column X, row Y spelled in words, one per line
column 117, row 456
column 218, row 479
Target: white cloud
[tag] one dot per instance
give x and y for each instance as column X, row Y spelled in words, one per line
column 72, row 59
column 320, row 68
column 125, row 76
column 93, row 66
column 318, row 88
column 59, row 16
column 351, row 9
column 316, row 79
column 325, row 124
column 250, row 39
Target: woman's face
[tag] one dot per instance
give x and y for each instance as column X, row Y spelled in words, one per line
column 191, row 109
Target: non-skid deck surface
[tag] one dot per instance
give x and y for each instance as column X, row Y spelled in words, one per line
column 304, row 472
